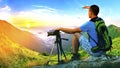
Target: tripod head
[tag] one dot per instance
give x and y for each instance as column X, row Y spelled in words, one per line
column 53, row 33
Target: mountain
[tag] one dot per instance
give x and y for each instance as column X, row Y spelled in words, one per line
column 14, row 55
column 114, row 31
column 24, row 38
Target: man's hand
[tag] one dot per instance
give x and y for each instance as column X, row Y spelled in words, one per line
column 58, row 28
column 86, row 7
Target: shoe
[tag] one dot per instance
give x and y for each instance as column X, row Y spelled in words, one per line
column 75, row 57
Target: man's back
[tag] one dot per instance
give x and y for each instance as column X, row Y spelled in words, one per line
column 90, row 28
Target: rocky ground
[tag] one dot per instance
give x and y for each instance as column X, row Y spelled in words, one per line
column 91, row 62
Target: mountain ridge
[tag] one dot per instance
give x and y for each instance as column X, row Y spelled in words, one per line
column 114, row 31
column 24, row 38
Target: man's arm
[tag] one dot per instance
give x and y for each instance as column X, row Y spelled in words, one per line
column 70, row 30
column 86, row 7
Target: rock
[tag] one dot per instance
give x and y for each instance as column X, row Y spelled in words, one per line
column 91, row 62
column 102, row 58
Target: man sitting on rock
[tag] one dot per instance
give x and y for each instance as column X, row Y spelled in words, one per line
column 79, row 39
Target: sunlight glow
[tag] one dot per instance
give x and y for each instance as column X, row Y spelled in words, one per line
column 28, row 25
column 4, row 16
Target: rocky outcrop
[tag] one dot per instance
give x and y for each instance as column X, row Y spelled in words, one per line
column 91, row 62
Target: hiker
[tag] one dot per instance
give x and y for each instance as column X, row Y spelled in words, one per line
column 79, row 39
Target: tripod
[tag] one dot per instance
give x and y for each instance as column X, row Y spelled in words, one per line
column 60, row 51
column 59, row 48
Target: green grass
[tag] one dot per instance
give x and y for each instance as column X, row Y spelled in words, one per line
column 14, row 55
column 116, row 47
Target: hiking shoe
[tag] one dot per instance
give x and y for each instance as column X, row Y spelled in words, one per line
column 75, row 57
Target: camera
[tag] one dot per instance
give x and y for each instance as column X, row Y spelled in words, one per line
column 53, row 32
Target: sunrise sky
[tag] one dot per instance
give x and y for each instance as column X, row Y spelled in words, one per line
column 37, row 13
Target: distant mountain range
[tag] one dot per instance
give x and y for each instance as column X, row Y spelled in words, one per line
column 21, row 37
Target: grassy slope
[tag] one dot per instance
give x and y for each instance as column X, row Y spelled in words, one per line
column 14, row 55
column 114, row 31
column 116, row 47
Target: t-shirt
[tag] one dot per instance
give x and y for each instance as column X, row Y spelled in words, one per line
column 90, row 28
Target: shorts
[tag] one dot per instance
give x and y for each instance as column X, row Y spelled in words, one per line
column 85, row 44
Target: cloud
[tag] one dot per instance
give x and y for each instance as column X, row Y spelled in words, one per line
column 50, row 17
column 5, row 8
column 110, row 21
column 5, row 13
column 109, row 16
column 44, row 7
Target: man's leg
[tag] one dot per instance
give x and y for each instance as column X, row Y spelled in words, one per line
column 85, row 44
column 75, row 46
column 75, row 43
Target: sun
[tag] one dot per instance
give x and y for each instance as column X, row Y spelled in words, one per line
column 28, row 25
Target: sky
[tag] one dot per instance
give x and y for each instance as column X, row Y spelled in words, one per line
column 37, row 13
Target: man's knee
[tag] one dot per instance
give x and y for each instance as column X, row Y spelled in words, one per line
column 77, row 35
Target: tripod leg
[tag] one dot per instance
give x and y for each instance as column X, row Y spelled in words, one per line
column 63, row 52
column 58, row 50
column 50, row 55
column 61, row 49
column 60, row 53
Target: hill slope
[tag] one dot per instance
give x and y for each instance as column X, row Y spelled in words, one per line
column 116, row 47
column 22, row 37
column 114, row 31
column 14, row 55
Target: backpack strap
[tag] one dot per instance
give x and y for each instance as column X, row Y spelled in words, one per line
column 93, row 20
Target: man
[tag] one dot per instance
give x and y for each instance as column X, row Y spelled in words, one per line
column 79, row 39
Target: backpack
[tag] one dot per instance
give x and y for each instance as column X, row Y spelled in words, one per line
column 104, row 40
